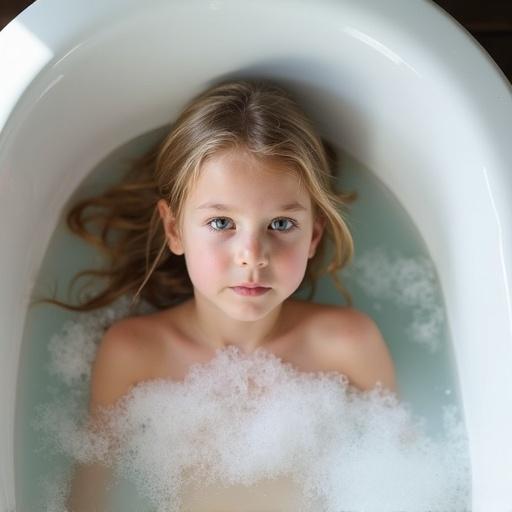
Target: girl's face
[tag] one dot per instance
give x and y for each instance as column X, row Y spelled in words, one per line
column 245, row 221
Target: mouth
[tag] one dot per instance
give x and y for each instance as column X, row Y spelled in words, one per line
column 250, row 291
column 251, row 285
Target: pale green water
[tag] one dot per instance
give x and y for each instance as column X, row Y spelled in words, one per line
column 425, row 367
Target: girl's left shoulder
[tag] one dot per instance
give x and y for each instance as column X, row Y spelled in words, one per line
column 349, row 341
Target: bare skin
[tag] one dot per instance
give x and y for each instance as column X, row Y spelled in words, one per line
column 306, row 339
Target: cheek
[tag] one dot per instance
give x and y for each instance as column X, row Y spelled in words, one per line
column 205, row 259
column 291, row 262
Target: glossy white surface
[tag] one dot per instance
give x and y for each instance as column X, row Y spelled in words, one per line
column 396, row 83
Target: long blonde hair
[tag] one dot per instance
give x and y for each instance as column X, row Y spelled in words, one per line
column 256, row 115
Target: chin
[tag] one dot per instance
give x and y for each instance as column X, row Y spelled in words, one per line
column 250, row 311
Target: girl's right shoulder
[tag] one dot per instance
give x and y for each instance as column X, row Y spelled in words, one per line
column 118, row 364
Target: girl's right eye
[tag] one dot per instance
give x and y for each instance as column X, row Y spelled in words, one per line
column 215, row 220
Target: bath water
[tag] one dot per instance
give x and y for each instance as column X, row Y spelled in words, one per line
column 392, row 278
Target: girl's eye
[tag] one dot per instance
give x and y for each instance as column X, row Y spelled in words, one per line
column 224, row 219
column 283, row 219
column 217, row 219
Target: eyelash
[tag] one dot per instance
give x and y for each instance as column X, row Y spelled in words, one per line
column 294, row 224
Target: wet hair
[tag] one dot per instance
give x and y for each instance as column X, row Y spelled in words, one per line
column 257, row 116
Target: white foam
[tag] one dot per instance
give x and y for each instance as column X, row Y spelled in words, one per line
column 73, row 348
column 241, row 419
column 407, row 282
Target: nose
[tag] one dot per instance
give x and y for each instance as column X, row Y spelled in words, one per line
column 251, row 253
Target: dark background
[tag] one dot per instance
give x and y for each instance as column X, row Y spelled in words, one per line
column 489, row 21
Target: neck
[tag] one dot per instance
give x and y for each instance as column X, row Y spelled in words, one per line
column 217, row 330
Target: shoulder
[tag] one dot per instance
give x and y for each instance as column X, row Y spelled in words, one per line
column 350, row 342
column 118, row 363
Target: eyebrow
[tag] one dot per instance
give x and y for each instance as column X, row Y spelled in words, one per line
column 290, row 207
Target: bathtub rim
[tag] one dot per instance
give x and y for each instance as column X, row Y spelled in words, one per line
column 497, row 199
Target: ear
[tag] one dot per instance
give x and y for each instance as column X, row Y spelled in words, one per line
column 172, row 232
column 318, row 231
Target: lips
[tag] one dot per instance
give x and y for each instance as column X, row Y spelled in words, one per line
column 251, row 291
column 251, row 285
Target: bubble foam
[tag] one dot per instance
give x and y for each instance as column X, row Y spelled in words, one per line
column 407, row 282
column 241, row 419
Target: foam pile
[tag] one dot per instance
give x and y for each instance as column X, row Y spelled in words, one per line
column 243, row 418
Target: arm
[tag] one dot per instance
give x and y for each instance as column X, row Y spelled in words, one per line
column 370, row 358
column 112, row 376
column 365, row 360
column 364, row 356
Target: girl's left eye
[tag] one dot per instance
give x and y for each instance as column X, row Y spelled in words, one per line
column 280, row 219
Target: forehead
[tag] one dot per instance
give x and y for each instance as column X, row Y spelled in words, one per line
column 242, row 180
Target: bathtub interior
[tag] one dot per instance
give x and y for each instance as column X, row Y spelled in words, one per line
column 378, row 85
column 386, row 241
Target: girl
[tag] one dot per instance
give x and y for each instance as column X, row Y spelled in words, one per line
column 219, row 225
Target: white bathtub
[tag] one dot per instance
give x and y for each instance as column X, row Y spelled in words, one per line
column 397, row 83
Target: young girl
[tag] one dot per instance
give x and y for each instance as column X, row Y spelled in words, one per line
column 219, row 225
